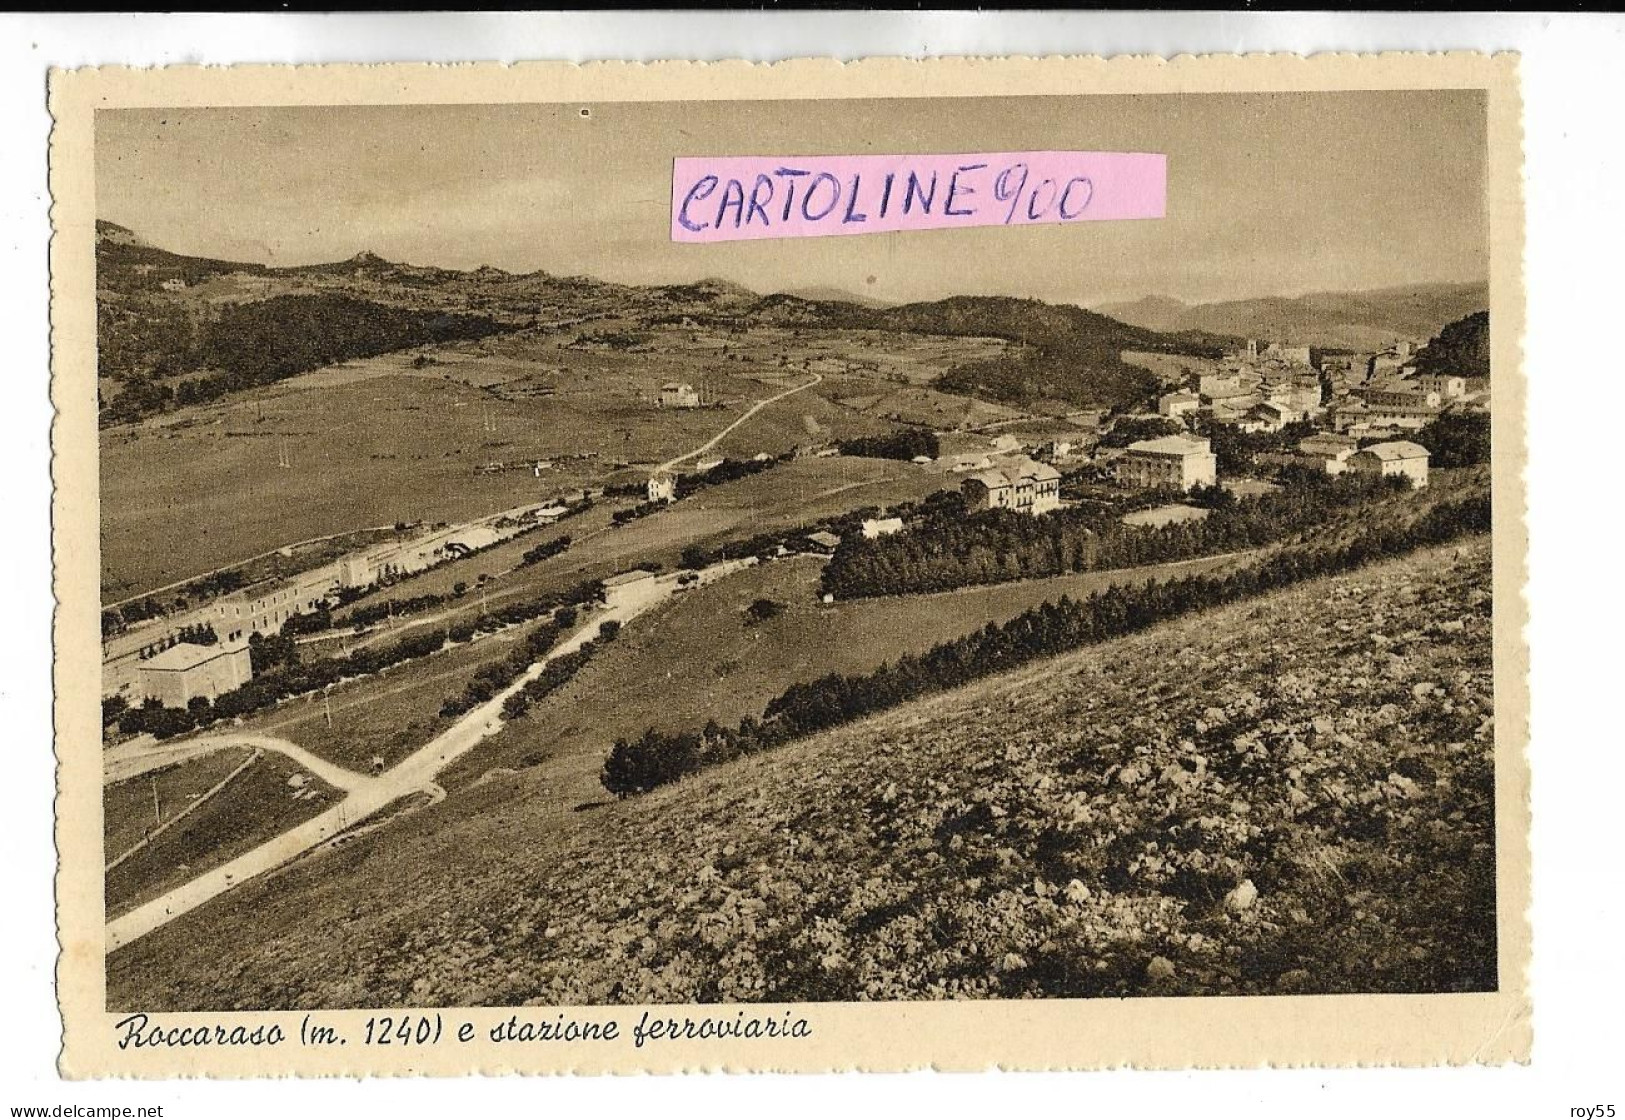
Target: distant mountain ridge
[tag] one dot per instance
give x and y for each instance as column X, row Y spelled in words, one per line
column 836, row 295
column 1367, row 320
column 165, row 316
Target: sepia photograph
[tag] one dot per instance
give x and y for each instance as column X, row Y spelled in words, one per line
column 541, row 570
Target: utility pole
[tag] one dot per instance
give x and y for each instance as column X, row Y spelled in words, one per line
column 157, row 818
column 327, row 708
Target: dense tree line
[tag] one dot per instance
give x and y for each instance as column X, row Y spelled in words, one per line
column 257, row 343
column 657, row 757
column 198, row 634
column 374, row 613
column 1235, row 451
column 729, row 470
column 493, row 678
column 1462, row 347
column 308, row 622
column 1133, row 429
column 1457, row 439
column 904, row 444
column 944, row 553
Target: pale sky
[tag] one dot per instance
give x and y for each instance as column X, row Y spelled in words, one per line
column 1268, row 194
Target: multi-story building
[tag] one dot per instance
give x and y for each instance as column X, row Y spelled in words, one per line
column 186, row 671
column 678, row 394
column 1023, row 486
column 662, row 488
column 1447, row 386
column 1178, row 404
column 1358, row 417
column 1398, row 458
column 1175, row 462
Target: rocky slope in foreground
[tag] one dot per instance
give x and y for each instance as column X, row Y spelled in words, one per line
column 1291, row 795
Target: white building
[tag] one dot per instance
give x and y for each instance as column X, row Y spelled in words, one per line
column 1178, row 404
column 186, row 671
column 1399, row 458
column 1177, row 462
column 1292, row 355
column 1447, row 386
column 662, row 488
column 881, row 527
column 678, row 394
column 1023, row 486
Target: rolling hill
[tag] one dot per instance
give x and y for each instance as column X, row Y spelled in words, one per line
column 1365, row 320
column 153, row 330
column 1289, row 795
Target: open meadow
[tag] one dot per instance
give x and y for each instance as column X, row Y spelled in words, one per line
column 257, row 805
column 704, row 657
column 132, row 809
column 378, row 441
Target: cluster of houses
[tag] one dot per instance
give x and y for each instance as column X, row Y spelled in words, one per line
column 1365, row 395
column 1375, row 400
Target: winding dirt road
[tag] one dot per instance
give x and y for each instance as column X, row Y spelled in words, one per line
column 364, row 795
column 746, row 415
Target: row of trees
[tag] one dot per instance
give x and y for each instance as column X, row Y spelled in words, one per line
column 556, row 673
column 544, row 550
column 1457, row 439
column 944, row 553
column 493, row 678
column 729, row 470
column 657, row 757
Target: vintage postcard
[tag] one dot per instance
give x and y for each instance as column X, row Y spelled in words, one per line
column 802, row 567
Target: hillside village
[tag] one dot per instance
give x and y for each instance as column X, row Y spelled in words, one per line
column 1317, row 412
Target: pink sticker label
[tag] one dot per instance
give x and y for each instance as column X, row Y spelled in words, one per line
column 736, row 198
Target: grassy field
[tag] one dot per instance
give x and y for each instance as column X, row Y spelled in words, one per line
column 378, row 441
column 257, row 805
column 701, row 659
column 1159, row 516
column 1173, row 370
column 127, row 809
column 789, row 494
column 1082, row 827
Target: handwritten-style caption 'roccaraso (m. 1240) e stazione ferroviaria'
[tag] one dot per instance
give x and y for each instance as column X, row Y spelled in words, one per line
column 737, row 198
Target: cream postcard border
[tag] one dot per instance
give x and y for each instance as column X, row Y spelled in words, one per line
column 1205, row 1032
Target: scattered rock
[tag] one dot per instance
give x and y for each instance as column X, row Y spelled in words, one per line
column 1242, row 898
